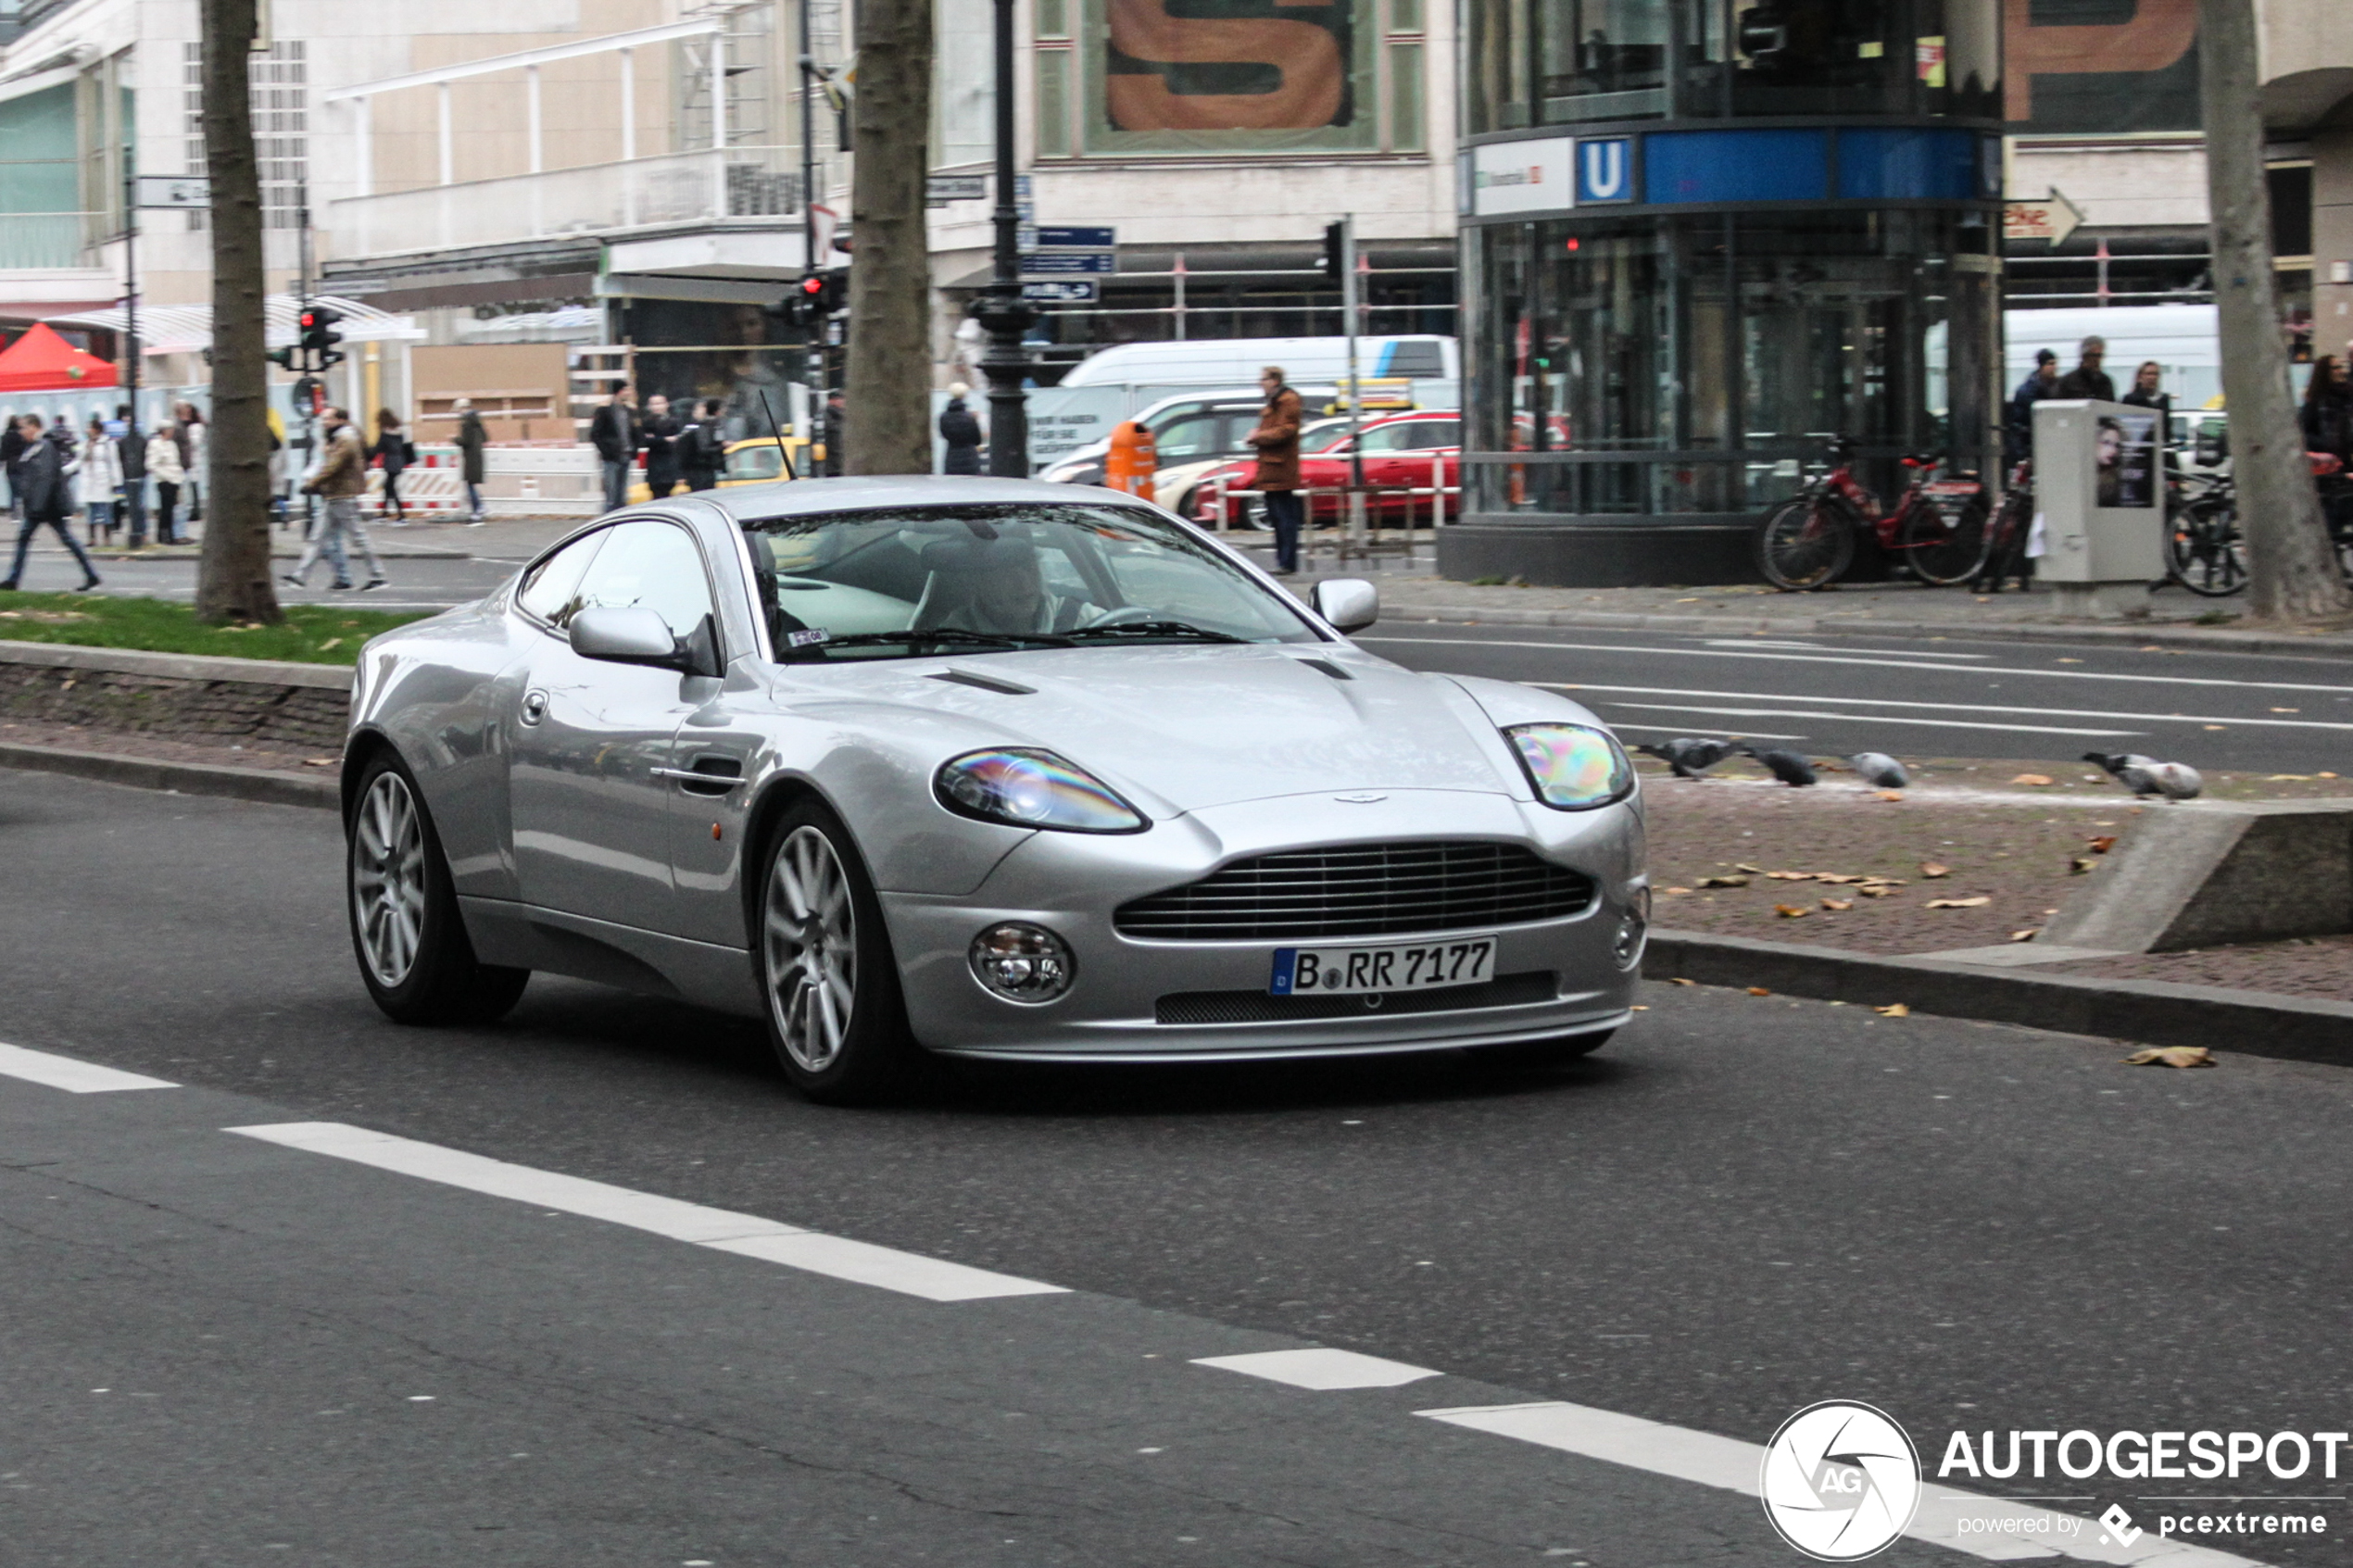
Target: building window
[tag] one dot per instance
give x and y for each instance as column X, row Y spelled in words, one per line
column 1054, row 102
column 280, row 92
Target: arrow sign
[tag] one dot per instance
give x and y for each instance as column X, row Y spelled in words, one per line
column 1063, row 291
column 2052, row 218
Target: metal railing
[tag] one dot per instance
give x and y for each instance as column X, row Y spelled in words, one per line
column 673, row 188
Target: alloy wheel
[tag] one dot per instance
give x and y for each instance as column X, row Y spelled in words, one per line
column 811, row 940
column 388, row 878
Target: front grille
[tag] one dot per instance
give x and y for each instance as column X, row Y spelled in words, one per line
column 1261, row 1007
column 1361, row 890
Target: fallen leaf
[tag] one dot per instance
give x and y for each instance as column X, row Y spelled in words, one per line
column 1753, row 870
column 2218, row 727
column 1893, row 1010
column 1638, row 1007
column 1790, row 911
column 2067, row 662
column 2172, row 1056
column 2288, row 710
column 330, row 642
column 1891, row 794
column 2103, row 844
column 2078, row 864
column 1791, row 876
column 1723, row 882
column 1977, row 903
column 1838, row 903
column 2289, row 778
column 2033, row 778
column 2324, row 775
column 321, row 761
column 1930, row 870
column 1875, row 890
column 2026, row 935
column 1758, row 991
column 1669, row 892
column 1885, row 882
column 1679, row 980
column 1836, row 878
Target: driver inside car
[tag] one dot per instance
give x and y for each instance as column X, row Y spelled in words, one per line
column 991, row 583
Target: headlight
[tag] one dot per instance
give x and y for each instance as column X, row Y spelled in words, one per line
column 1022, row 963
column 1033, row 789
column 1573, row 767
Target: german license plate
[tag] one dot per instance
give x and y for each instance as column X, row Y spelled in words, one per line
column 1341, row 972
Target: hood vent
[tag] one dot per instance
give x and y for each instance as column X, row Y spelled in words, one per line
column 984, row 682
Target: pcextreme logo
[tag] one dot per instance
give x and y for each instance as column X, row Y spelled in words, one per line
column 1840, row 1481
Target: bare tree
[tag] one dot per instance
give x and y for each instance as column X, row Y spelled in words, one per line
column 233, row 579
column 2291, row 569
column 887, row 400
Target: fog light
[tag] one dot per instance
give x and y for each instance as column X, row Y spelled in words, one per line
column 1023, row 963
column 1632, row 927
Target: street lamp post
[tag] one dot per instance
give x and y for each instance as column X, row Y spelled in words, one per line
column 1002, row 311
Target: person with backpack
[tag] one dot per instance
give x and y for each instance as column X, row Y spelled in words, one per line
column 394, row 452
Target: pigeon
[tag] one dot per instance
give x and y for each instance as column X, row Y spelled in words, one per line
column 1879, row 769
column 1691, row 758
column 2146, row 775
column 1786, row 766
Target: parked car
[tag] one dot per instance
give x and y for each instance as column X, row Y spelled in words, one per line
column 980, row 767
column 755, row 461
column 1196, row 426
column 1401, row 449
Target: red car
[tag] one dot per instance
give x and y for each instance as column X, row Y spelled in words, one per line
column 1399, row 449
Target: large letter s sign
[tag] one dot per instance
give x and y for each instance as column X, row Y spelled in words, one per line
column 1228, row 65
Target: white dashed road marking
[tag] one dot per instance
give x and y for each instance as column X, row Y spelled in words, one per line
column 1320, row 1369
column 768, row 1240
column 74, row 1077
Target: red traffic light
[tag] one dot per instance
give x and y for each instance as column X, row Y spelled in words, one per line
column 813, row 286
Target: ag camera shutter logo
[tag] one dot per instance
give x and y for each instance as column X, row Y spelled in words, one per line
column 1840, row 1481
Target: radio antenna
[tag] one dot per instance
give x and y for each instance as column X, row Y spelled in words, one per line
column 779, row 431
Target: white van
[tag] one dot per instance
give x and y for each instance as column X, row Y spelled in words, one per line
column 2184, row 339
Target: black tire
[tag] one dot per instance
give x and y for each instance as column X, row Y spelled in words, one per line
column 1523, row 1055
column 2204, row 551
column 1946, row 553
column 1805, row 543
column 414, row 955
column 871, row 1055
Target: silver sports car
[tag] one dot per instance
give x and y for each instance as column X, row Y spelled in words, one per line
column 981, row 767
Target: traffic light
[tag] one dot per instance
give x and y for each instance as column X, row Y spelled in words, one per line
column 1335, row 251
column 816, row 297
column 319, row 337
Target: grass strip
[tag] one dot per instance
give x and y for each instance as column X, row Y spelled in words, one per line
column 310, row 634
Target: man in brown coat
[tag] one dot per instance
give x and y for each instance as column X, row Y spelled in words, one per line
column 1276, row 440
column 341, row 479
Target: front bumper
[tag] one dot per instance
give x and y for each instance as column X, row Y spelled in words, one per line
column 1072, row 884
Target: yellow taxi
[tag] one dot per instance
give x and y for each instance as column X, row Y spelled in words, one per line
column 748, row 462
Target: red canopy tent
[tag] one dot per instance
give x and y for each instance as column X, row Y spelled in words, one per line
column 41, row 362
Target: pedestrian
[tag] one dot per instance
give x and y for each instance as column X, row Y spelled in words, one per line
column 394, row 452
column 342, row 480
column 2019, row 427
column 961, row 431
column 2327, row 414
column 660, row 442
column 472, row 439
column 702, row 446
column 614, row 433
column 101, row 480
column 2087, row 380
column 131, row 447
column 43, row 495
column 196, row 456
column 1276, row 443
column 837, row 433
column 170, row 469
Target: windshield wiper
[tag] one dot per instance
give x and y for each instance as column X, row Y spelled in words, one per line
column 935, row 636
column 1184, row 629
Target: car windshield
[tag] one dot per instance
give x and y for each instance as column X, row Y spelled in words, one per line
column 900, row 583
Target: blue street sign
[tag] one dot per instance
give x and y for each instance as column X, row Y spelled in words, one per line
column 1061, row 263
column 1076, row 239
column 1071, row 291
column 1604, row 171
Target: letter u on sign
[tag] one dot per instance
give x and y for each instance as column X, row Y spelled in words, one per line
column 1605, row 170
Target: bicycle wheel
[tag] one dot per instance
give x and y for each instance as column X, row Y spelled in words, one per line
column 1945, row 550
column 1805, row 543
column 2205, row 550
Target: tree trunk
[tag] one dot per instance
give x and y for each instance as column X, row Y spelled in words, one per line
column 887, row 400
column 233, row 579
column 2292, row 569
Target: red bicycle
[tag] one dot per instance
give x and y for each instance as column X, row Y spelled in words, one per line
column 1936, row 528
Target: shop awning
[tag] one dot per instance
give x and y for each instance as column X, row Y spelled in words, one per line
column 187, row 329
column 41, row 362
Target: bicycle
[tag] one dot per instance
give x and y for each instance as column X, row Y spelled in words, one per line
column 2006, row 536
column 1937, row 527
column 2204, row 552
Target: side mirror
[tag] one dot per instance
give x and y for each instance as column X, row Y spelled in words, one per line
column 628, row 634
column 1351, row 603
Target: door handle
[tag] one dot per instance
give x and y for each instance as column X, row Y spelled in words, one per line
column 534, row 705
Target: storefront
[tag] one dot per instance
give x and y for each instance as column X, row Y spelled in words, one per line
column 1700, row 240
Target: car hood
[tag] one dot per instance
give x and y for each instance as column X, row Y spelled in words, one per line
column 1181, row 727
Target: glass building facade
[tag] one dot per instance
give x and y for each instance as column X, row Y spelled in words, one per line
column 1701, row 239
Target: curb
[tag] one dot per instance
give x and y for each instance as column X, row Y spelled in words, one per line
column 2320, row 645
column 179, row 666
column 184, row 778
column 2151, row 1011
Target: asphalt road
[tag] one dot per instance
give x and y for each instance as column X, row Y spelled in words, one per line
column 218, row 1348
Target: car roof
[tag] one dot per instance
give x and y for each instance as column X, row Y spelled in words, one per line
column 762, row 503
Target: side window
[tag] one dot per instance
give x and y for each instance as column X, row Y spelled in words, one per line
column 1391, row 438
column 1195, row 435
column 654, row 565
column 1443, row 433
column 550, row 589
